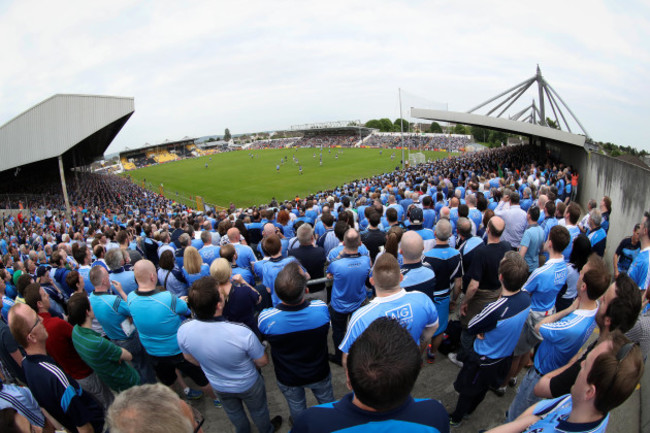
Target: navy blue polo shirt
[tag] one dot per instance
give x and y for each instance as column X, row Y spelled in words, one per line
column 298, row 338
column 467, row 250
column 445, row 262
column 418, row 276
column 414, row 416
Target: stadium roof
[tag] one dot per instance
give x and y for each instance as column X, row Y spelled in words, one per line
column 77, row 127
column 342, row 130
column 165, row 143
column 500, row 124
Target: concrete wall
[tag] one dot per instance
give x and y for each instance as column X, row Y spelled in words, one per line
column 626, row 184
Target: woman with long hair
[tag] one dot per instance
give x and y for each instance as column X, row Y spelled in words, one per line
column 284, row 220
column 170, row 277
column 393, row 238
column 240, row 298
column 193, row 266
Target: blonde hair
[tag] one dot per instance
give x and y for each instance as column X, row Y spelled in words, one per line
column 192, row 260
column 221, row 271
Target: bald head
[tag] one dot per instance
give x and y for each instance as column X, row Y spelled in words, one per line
column 445, row 212
column 145, row 275
column 269, row 229
column 351, row 240
column 541, row 201
column 496, row 225
column 412, row 247
column 233, row 234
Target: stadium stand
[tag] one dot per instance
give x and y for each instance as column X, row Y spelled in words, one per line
column 473, row 199
column 450, row 143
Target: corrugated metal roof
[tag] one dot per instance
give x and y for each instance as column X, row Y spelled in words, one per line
column 56, row 125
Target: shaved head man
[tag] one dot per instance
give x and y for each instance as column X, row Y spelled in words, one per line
column 411, row 247
column 416, row 274
column 145, row 274
column 245, row 255
column 157, row 317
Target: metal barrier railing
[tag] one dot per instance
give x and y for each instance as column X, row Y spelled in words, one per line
column 318, row 281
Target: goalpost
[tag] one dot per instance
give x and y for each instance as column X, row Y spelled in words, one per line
column 416, row 158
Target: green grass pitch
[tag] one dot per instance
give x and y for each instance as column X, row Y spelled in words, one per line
column 238, row 178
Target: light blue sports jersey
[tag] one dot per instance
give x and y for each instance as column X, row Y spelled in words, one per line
column 638, row 270
column 429, row 218
column 269, row 270
column 555, row 414
column 191, row 278
column 563, row 339
column 84, row 272
column 245, row 256
column 209, row 254
column 597, row 236
column 110, row 311
column 157, row 316
column 427, row 237
column 533, row 239
column 574, row 231
column 418, row 276
column 545, row 283
column 125, row 278
column 334, row 252
column 349, row 290
column 549, row 223
column 501, row 323
column 414, row 310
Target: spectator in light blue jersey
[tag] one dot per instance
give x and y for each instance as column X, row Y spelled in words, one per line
column 245, row 255
column 414, row 310
column 571, row 216
column 209, row 252
column 543, row 285
column 157, row 315
column 563, row 333
column 269, row 268
column 349, row 273
column 608, row 376
column 229, row 253
column 193, row 266
column 533, row 240
column 115, row 261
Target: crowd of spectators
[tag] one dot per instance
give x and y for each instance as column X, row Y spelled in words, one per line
column 328, row 140
column 448, row 142
column 273, row 143
column 135, row 290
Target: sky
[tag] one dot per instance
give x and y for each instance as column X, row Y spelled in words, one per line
column 198, row 67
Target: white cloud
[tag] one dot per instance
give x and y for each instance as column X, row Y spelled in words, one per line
column 198, row 67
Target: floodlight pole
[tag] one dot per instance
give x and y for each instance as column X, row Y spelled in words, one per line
column 540, row 88
column 401, row 124
column 65, row 191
